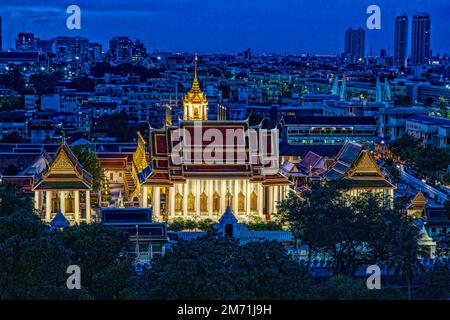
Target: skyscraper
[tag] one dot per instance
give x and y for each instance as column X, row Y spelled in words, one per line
column 355, row 43
column 421, row 34
column 25, row 41
column 401, row 40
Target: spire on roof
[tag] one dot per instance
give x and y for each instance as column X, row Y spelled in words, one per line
column 228, row 216
column 59, row 221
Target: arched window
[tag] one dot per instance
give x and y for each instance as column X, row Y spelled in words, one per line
column 203, row 202
column 216, row 202
column 253, row 201
column 69, row 204
column 191, row 202
column 178, row 202
column 241, row 202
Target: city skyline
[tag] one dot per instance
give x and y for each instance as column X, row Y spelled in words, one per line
column 197, row 26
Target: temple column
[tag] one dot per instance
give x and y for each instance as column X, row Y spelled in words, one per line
column 144, row 199
column 156, row 203
column 235, row 196
column 171, row 208
column 62, row 201
column 223, row 197
column 270, row 204
column 247, row 200
column 36, row 200
column 210, row 198
column 185, row 198
column 260, row 192
column 48, row 205
column 197, row 199
column 77, row 206
column 88, row 206
column 276, row 198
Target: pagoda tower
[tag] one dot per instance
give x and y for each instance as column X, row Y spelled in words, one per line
column 195, row 105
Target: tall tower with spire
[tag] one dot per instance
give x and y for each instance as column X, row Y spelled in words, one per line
column 195, row 105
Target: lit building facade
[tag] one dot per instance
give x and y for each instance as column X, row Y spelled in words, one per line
column 196, row 168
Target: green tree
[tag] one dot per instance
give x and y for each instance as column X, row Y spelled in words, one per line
column 205, row 225
column 12, row 200
column 45, row 83
column 407, row 147
column 118, row 125
column 214, row 267
column 33, row 261
column 190, row 225
column 432, row 160
column 404, row 259
column 11, row 103
column 341, row 287
column 13, row 79
column 90, row 163
column 100, row 251
column 265, row 225
column 177, row 225
column 350, row 230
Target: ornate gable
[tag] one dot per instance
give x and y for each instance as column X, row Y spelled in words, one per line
column 64, row 172
column 365, row 166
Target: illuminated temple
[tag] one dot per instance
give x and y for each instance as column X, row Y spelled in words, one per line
column 174, row 179
column 195, row 169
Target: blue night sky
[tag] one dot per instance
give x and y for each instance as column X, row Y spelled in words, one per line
column 279, row 26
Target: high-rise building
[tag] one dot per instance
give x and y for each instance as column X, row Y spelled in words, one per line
column 25, row 41
column 355, row 43
column 401, row 40
column 139, row 51
column 120, row 49
column 43, row 45
column 95, row 51
column 71, row 48
column 421, row 34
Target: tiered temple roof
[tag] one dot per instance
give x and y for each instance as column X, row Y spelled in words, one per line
column 172, row 162
column 64, row 172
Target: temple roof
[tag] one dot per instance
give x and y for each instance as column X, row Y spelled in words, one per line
column 59, row 221
column 419, row 200
column 365, row 173
column 228, row 217
column 64, row 172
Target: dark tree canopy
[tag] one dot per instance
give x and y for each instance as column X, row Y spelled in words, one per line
column 219, row 268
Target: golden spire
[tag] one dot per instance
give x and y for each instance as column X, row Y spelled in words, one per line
column 195, row 102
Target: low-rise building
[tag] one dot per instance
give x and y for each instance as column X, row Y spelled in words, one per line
column 433, row 130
